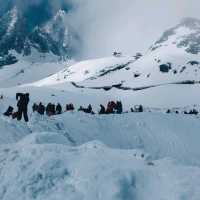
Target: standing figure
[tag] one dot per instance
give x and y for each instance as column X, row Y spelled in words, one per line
column 35, row 107
column 119, row 108
column 23, row 100
column 102, row 110
column 48, row 109
column 41, row 108
column 58, row 109
column 89, row 109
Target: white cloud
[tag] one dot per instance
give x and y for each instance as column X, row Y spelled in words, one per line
column 126, row 25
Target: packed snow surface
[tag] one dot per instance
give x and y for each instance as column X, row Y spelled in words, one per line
column 80, row 156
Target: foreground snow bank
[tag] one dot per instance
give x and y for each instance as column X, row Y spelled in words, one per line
column 91, row 171
column 161, row 135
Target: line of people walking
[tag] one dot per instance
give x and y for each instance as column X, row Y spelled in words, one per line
column 55, row 109
column 51, row 109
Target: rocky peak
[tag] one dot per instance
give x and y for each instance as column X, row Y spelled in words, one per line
column 191, row 23
column 185, row 35
column 51, row 37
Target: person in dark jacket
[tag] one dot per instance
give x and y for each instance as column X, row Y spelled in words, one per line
column 48, row 109
column 23, row 100
column 58, row 109
column 41, row 108
column 89, row 109
column 69, row 107
column 35, row 107
column 140, row 109
column 102, row 110
column 119, row 108
column 110, row 107
column 53, row 109
column 86, row 110
column 9, row 111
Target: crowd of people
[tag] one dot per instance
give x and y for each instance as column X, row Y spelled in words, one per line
column 55, row 109
column 52, row 109
column 189, row 112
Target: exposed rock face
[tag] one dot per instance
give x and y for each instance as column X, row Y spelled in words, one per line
column 52, row 37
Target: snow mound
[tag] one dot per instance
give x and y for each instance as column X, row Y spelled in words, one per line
column 160, row 135
column 35, row 172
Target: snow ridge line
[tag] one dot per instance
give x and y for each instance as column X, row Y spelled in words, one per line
column 120, row 87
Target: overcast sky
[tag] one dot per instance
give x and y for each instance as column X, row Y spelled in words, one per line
column 104, row 26
column 127, row 25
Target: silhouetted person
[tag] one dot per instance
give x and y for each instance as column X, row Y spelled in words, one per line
column 81, row 108
column 168, row 111
column 89, row 109
column 41, row 109
column 102, row 110
column 23, row 100
column 9, row 111
column 86, row 110
column 58, row 109
column 69, row 107
column 48, row 109
column 140, row 109
column 35, row 107
column 111, row 107
column 119, row 107
column 193, row 112
column 51, row 109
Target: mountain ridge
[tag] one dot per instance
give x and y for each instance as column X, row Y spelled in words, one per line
column 14, row 35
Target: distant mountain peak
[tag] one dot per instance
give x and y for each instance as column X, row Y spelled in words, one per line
column 185, row 35
column 190, row 22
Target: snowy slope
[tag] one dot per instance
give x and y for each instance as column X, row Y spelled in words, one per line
column 31, row 68
column 61, row 163
column 172, row 59
column 158, row 134
column 60, row 172
column 90, row 69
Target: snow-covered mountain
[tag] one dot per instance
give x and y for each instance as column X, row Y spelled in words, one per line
column 172, row 59
column 54, row 36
